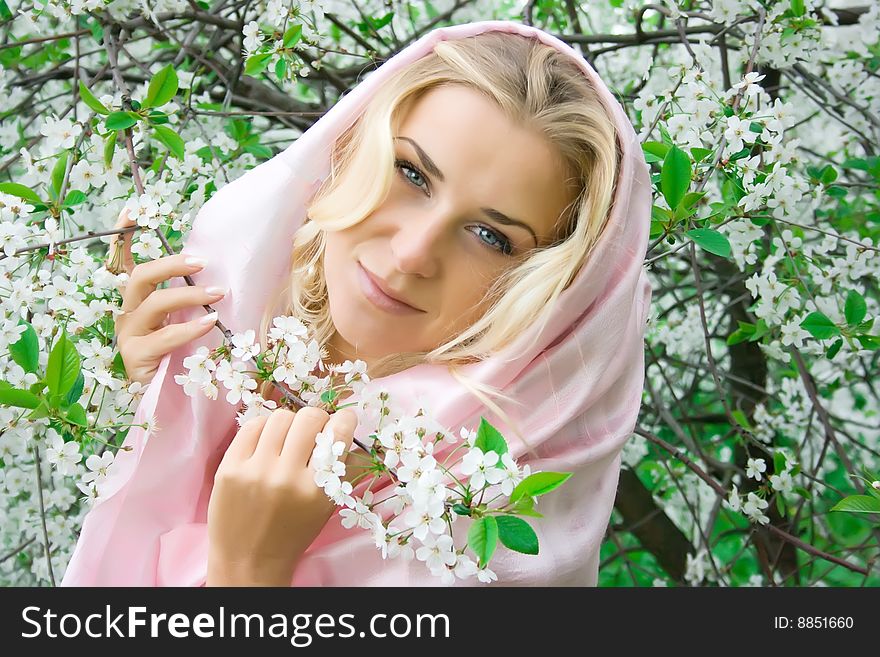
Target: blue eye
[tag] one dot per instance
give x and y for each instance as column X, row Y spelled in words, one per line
column 499, row 242
column 404, row 165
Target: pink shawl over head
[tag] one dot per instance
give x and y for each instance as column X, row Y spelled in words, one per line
column 580, row 384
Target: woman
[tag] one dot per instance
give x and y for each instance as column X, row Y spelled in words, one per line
column 487, row 179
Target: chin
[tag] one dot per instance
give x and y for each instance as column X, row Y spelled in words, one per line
column 370, row 340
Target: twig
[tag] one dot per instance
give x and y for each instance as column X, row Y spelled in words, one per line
column 36, row 452
column 86, row 236
column 794, row 540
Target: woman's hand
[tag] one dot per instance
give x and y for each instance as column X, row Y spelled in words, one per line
column 265, row 509
column 143, row 333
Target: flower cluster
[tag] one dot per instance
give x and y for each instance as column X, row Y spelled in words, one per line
column 292, row 359
column 428, row 497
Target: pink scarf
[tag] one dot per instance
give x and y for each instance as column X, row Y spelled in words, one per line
column 580, row 384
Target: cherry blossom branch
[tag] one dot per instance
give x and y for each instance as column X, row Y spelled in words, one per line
column 36, row 452
column 794, row 540
column 86, row 236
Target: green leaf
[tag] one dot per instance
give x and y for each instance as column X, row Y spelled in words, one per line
column 158, row 118
column 63, row 366
column 97, row 31
column 660, row 214
column 238, row 129
column 744, row 332
column 281, row 68
column 731, row 190
column 803, row 492
column 490, row 439
column 260, row 151
column 856, row 163
column 483, row 538
column 15, row 189
column 700, row 154
column 855, row 309
column 292, row 36
column 461, row 509
column 871, row 342
column 40, row 411
column 538, row 483
column 516, row 534
column 691, row 199
column 858, row 504
column 761, row 329
column 710, row 240
column 26, row 351
column 171, row 139
column 797, row 8
column 831, row 352
column 525, row 506
column 76, row 391
column 778, row 462
column 655, row 148
column 119, row 121
column 819, row 326
column 675, row 176
column 109, row 147
column 76, row 414
column 74, row 197
column 162, row 87
column 117, row 366
column 828, row 175
column 58, row 173
column 18, row 398
column 736, row 337
column 90, row 100
column 741, row 419
column 256, row 64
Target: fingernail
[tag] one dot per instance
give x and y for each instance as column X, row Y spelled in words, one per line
column 348, row 419
column 216, row 291
column 209, row 318
column 192, row 261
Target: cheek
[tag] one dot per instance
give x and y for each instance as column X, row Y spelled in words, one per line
column 465, row 301
column 334, row 277
column 336, row 251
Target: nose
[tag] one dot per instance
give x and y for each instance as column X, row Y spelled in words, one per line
column 417, row 244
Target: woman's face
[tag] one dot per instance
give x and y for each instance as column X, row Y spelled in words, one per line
column 471, row 193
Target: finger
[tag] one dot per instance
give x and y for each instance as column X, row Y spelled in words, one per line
column 155, row 345
column 147, row 275
column 154, row 311
column 119, row 260
column 245, row 441
column 342, row 423
column 308, row 422
column 274, row 433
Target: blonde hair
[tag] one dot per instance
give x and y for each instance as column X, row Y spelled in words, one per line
column 537, row 87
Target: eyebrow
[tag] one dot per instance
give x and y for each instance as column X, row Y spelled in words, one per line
column 492, row 213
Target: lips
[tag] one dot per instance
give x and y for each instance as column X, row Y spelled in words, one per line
column 378, row 292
